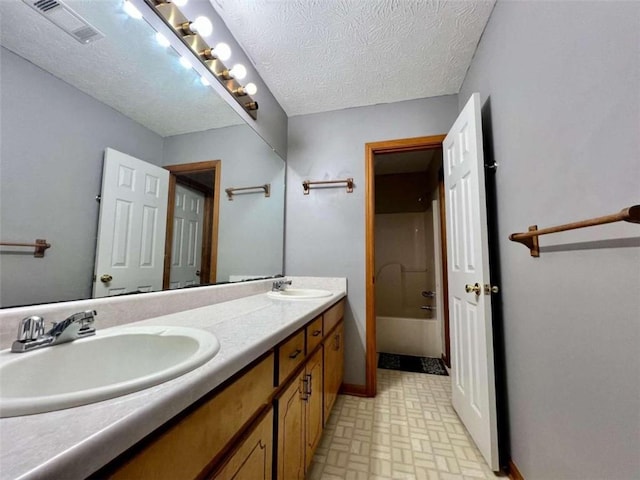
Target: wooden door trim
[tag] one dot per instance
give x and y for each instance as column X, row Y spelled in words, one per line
column 211, row 218
column 371, row 149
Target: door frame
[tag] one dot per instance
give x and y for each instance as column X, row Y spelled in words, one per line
column 371, row 149
column 211, row 217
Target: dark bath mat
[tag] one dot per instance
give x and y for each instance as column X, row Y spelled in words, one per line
column 406, row 363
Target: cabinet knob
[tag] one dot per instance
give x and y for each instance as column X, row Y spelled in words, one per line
column 296, row 353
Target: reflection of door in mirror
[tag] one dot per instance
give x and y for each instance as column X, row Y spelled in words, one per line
column 191, row 249
column 186, row 251
column 133, row 209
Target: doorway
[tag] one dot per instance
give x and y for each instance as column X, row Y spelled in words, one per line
column 373, row 152
column 198, row 246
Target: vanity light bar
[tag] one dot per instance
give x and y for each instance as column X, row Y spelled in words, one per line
column 181, row 26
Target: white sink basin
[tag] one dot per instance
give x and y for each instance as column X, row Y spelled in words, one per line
column 300, row 293
column 111, row 363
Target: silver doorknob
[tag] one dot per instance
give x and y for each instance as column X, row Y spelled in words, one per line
column 473, row 288
column 106, row 278
column 197, row 273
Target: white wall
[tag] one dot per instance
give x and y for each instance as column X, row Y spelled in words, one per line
column 560, row 85
column 325, row 229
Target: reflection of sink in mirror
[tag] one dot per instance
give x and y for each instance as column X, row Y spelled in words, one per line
column 112, row 363
column 125, row 92
column 300, row 293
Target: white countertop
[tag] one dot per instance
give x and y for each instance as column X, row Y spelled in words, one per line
column 75, row 442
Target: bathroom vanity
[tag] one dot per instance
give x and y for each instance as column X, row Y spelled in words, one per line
column 256, row 410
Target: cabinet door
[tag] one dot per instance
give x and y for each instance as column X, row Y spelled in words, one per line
column 291, row 438
column 254, row 457
column 314, row 385
column 333, row 367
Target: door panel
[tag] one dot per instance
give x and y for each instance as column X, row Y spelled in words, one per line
column 473, row 383
column 186, row 250
column 132, row 225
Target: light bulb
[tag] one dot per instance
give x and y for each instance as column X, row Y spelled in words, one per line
column 202, row 25
column 204, row 81
column 238, row 71
column 185, row 63
column 250, row 88
column 222, row 51
column 131, row 10
column 162, row 40
column 179, row 3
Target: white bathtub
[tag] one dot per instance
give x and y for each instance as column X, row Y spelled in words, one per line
column 409, row 336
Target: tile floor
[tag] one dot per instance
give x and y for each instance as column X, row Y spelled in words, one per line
column 409, row 431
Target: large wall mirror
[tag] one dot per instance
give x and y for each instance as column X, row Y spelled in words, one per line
column 64, row 103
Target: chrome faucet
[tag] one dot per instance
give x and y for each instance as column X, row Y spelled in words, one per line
column 31, row 334
column 280, row 285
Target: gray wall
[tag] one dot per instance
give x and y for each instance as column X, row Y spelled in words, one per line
column 250, row 236
column 560, row 82
column 50, row 172
column 325, row 229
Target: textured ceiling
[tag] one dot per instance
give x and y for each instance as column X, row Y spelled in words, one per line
column 127, row 69
column 321, row 55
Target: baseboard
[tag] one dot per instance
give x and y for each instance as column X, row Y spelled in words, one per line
column 514, row 473
column 355, row 390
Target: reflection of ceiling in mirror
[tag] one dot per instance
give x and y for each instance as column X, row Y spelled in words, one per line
column 127, row 70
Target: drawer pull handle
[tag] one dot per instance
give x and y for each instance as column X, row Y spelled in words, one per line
column 316, row 333
column 308, row 377
column 296, row 353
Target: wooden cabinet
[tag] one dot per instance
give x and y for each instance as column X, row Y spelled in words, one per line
column 290, row 355
column 332, row 316
column 314, row 334
column 272, row 411
column 313, row 406
column 333, row 367
column 253, row 459
column 291, row 440
column 187, row 448
column 300, row 419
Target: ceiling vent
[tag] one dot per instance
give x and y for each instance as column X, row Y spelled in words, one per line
column 65, row 18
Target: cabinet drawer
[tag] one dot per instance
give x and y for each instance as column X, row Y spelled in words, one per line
column 314, row 334
column 333, row 316
column 290, row 354
column 188, row 447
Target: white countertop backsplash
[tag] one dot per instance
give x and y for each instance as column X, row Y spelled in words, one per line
column 75, row 442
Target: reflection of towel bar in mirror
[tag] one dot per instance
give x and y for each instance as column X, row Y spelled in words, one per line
column 530, row 238
column 39, row 246
column 307, row 184
column 266, row 188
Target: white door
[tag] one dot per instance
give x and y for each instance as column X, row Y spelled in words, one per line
column 132, row 226
column 186, row 250
column 472, row 372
